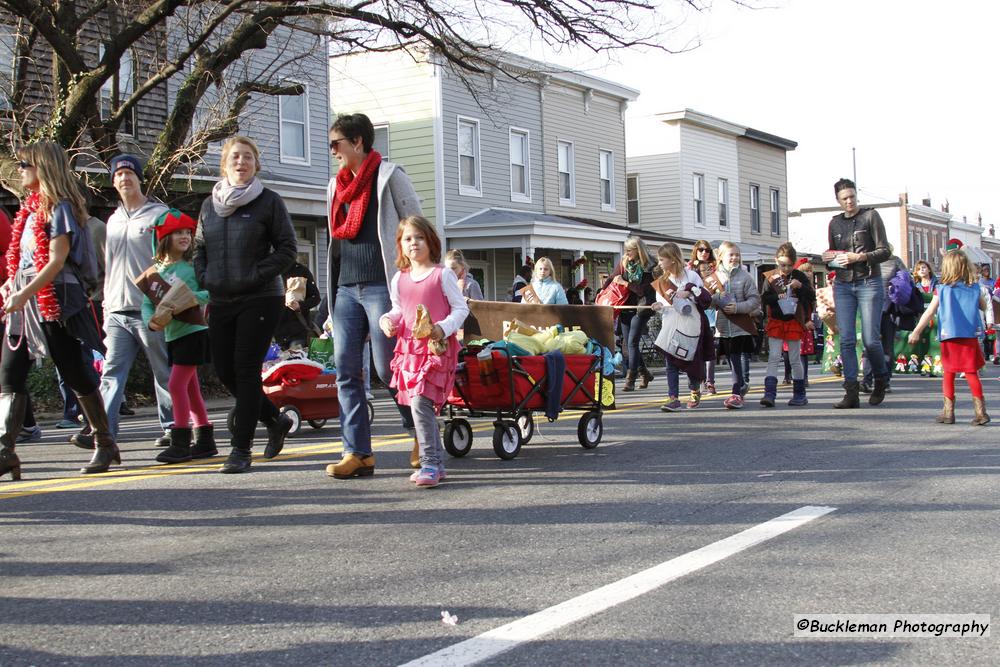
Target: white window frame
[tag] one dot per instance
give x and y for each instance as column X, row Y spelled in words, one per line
column 754, row 208
column 388, row 146
column 306, row 147
column 8, row 51
column 698, row 199
column 107, row 89
column 723, row 189
column 523, row 197
column 628, row 201
column 477, row 189
column 775, row 212
column 571, row 171
column 609, row 178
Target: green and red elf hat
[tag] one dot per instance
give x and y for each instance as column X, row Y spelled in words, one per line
column 953, row 244
column 172, row 220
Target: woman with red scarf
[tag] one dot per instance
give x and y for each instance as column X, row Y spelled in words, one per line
column 367, row 198
column 45, row 301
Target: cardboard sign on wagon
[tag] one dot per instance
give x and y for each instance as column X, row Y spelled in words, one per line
column 486, row 319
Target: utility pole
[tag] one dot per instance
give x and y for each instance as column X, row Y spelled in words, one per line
column 854, row 166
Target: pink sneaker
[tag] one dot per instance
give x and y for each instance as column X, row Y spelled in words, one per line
column 734, row 402
column 442, row 475
column 427, row 477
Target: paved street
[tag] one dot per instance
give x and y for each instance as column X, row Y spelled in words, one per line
column 152, row 565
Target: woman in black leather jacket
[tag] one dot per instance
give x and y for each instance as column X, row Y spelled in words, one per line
column 245, row 242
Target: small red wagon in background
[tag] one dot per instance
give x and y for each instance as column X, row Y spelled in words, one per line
column 301, row 391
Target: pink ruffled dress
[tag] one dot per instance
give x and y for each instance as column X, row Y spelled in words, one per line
column 416, row 370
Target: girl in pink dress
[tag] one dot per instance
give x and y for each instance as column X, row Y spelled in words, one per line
column 423, row 366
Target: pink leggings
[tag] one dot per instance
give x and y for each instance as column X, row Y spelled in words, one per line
column 185, row 392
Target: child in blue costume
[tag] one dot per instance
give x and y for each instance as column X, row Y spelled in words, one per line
column 958, row 301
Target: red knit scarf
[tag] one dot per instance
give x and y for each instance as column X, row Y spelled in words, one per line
column 48, row 305
column 354, row 190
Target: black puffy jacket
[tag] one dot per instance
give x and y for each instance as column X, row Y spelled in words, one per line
column 243, row 256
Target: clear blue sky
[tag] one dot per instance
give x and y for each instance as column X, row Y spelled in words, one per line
column 909, row 84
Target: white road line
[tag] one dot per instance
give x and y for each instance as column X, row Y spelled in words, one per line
column 492, row 643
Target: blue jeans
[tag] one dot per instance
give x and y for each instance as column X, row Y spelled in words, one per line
column 355, row 316
column 674, row 380
column 125, row 336
column 632, row 323
column 865, row 297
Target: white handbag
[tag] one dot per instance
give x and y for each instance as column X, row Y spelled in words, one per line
column 679, row 334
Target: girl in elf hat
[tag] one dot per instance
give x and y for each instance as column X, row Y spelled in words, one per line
column 186, row 333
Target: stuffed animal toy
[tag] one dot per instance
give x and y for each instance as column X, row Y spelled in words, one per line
column 900, row 364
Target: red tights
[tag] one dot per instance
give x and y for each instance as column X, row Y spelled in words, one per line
column 185, row 392
column 948, row 385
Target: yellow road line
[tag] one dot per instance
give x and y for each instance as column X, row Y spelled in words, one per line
column 59, row 484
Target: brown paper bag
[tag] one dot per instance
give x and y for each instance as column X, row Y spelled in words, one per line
column 295, row 289
column 178, row 299
column 529, row 295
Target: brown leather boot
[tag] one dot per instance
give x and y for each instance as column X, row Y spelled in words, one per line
column 106, row 451
column 629, row 381
column 415, row 454
column 981, row 416
column 645, row 377
column 947, row 415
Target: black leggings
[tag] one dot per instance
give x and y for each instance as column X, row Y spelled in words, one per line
column 239, row 335
column 67, row 355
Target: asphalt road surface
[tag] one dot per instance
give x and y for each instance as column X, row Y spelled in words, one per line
column 689, row 538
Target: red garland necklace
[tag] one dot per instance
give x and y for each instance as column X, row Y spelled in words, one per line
column 48, row 304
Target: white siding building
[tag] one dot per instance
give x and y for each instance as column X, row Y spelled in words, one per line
column 512, row 168
column 700, row 177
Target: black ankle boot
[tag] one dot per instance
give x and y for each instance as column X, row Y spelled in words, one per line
column 276, row 433
column 204, row 444
column 878, row 391
column 238, row 461
column 850, row 399
column 179, row 450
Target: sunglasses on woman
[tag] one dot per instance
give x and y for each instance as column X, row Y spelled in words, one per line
column 704, row 250
column 25, row 165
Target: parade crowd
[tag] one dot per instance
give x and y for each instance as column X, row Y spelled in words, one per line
column 186, row 292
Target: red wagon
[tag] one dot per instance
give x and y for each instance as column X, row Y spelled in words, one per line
column 311, row 400
column 510, row 389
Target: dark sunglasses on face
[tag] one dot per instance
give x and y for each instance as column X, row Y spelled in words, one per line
column 25, row 165
column 704, row 250
column 334, row 142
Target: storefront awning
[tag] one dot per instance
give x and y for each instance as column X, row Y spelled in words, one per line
column 977, row 255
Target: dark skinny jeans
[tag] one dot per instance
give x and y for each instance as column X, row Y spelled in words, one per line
column 239, row 335
column 67, row 355
column 632, row 323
